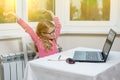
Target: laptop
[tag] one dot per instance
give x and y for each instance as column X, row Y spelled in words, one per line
column 96, row 56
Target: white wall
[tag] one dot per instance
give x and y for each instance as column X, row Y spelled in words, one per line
column 68, row 41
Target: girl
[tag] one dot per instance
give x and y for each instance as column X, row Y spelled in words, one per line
column 45, row 36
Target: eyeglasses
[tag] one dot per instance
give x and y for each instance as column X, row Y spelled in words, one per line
column 51, row 33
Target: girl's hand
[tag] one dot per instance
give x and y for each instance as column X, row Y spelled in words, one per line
column 11, row 13
column 50, row 12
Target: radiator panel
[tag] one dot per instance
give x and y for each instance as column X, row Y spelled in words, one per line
column 12, row 67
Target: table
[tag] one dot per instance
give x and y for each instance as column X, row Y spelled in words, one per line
column 42, row 69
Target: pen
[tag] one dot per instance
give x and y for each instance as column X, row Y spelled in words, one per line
column 57, row 59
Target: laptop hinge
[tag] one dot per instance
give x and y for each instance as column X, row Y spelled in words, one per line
column 103, row 56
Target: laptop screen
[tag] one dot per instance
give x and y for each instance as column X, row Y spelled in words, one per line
column 108, row 43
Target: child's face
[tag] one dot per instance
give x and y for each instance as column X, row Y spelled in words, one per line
column 50, row 34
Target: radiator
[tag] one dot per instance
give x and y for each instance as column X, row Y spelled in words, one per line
column 12, row 66
column 14, row 53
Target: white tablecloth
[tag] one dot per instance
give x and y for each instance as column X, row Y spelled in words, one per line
column 42, row 69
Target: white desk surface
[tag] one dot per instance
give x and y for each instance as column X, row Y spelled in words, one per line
column 42, row 69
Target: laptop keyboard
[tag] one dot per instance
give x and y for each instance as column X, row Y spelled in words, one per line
column 92, row 56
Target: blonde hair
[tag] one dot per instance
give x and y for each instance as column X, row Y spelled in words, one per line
column 42, row 28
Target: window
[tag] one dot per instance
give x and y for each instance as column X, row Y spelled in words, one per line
column 90, row 16
column 89, row 10
column 100, row 15
column 36, row 9
column 6, row 6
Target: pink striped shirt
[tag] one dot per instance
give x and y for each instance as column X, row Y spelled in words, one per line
column 37, row 41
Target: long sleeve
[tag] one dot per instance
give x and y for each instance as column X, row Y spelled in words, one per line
column 30, row 31
column 37, row 41
column 58, row 26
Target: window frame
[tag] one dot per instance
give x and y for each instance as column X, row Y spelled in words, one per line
column 95, row 27
column 70, row 27
column 6, row 26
